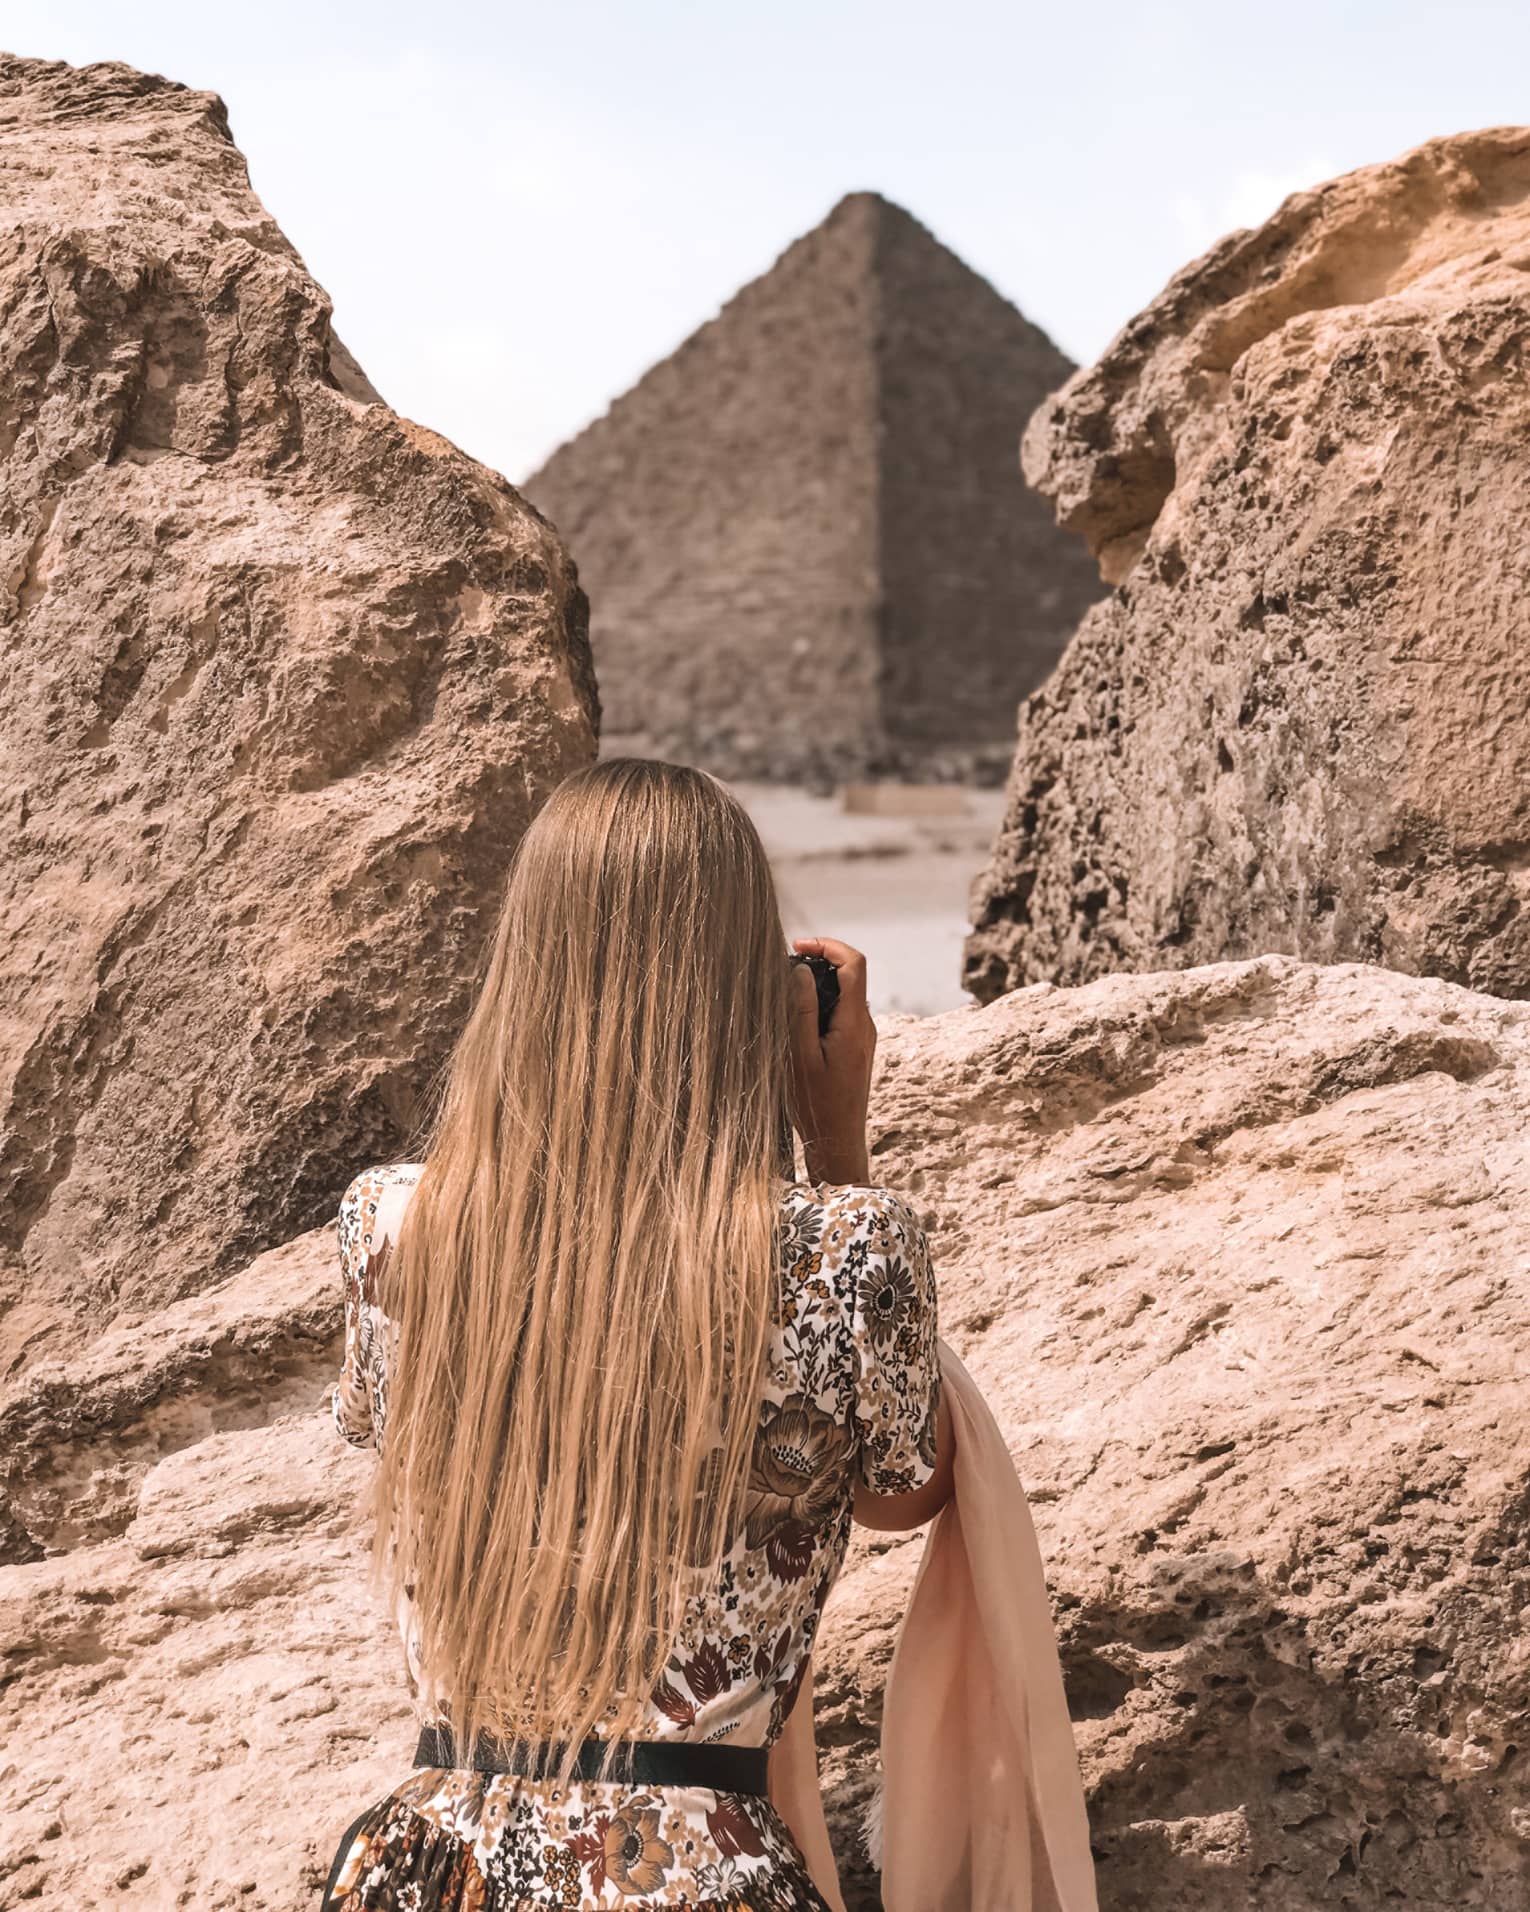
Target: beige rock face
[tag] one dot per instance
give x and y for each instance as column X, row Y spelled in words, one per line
column 1237, row 1253
column 282, row 678
column 1299, row 721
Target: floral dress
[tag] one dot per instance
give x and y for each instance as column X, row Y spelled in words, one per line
column 853, row 1386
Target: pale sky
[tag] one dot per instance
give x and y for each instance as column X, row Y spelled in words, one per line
column 517, row 209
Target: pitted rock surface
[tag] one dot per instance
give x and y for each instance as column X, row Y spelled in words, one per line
column 1298, row 722
column 283, row 676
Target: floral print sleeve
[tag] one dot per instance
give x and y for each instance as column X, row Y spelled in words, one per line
column 897, row 1388
column 351, row 1396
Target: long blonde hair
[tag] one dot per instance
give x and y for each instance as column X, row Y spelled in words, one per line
column 586, row 1273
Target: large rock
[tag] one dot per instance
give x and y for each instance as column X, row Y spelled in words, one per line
column 282, row 678
column 810, row 550
column 1299, row 723
column 1236, row 1255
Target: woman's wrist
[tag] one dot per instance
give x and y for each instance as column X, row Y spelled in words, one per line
column 846, row 1161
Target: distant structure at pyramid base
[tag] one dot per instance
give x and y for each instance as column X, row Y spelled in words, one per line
column 809, row 550
column 821, row 764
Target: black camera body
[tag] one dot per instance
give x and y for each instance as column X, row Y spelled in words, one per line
column 826, row 981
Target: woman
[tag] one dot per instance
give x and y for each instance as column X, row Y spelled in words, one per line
column 629, row 1380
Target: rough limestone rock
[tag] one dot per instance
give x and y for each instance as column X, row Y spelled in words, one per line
column 1299, row 722
column 809, row 548
column 1238, row 1256
column 282, row 678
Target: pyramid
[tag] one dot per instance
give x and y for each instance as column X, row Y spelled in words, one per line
column 808, row 546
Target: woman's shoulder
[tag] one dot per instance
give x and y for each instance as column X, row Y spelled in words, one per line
column 373, row 1199
column 861, row 1206
column 369, row 1183
column 370, row 1186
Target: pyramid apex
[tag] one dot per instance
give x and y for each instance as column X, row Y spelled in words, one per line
column 867, row 203
column 883, row 220
column 862, row 195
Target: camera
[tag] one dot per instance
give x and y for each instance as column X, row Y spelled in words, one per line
column 826, row 980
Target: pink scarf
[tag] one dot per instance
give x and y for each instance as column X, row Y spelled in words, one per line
column 981, row 1807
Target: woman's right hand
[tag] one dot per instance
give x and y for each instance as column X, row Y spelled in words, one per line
column 831, row 1074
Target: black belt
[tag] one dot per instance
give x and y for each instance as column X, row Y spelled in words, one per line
column 641, row 1762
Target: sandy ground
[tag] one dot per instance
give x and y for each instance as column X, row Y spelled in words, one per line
column 894, row 885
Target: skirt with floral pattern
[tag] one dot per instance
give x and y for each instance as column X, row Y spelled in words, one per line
column 450, row 1840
